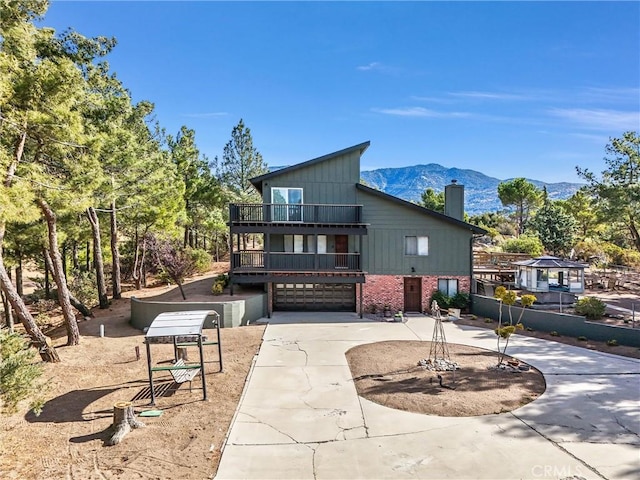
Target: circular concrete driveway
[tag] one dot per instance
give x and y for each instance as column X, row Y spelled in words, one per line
column 301, row 418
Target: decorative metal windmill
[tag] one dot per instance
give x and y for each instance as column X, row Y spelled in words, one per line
column 439, row 349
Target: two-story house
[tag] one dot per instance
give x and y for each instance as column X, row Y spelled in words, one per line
column 332, row 243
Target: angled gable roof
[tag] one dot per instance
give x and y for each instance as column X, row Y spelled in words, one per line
column 257, row 181
column 425, row 211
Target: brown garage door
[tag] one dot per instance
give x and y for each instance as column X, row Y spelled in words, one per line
column 314, row 297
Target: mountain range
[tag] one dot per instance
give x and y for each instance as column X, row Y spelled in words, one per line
column 481, row 191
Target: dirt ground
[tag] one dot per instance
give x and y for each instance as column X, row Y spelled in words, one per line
column 388, row 373
column 68, row 439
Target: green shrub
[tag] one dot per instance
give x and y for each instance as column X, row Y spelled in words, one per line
column 44, row 306
column 459, row 300
column 222, row 278
column 217, row 288
column 524, row 244
column 612, row 343
column 201, row 259
column 590, row 307
column 582, row 338
column 83, row 286
column 444, row 301
column 488, row 320
column 553, row 333
column 19, row 374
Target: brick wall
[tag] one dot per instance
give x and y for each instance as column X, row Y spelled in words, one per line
column 381, row 290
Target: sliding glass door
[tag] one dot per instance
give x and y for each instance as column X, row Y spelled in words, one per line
column 287, row 204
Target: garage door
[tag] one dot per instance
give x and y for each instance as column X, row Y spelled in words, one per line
column 316, row 297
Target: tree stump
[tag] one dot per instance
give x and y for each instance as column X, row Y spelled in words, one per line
column 123, row 421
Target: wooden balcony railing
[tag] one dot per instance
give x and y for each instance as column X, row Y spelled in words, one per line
column 294, row 262
column 302, row 213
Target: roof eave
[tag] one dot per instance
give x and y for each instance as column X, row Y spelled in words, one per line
column 257, row 181
column 475, row 229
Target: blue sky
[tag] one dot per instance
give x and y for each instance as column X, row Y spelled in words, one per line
column 510, row 89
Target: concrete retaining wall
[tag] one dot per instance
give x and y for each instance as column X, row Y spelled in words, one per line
column 232, row 313
column 564, row 324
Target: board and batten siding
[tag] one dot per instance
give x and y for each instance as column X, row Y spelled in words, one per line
column 329, row 182
column 383, row 247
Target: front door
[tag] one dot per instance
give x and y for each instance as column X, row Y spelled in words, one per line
column 342, row 249
column 412, row 294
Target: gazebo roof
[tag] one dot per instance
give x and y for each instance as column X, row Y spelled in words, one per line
column 548, row 261
column 174, row 324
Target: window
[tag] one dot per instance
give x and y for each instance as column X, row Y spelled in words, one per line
column 322, row 244
column 287, row 204
column 416, row 245
column 448, row 286
column 294, row 243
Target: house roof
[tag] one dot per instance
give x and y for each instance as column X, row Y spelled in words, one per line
column 547, row 261
column 423, row 210
column 257, row 181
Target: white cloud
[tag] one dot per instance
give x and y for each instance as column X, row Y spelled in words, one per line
column 489, row 95
column 371, row 66
column 419, row 112
column 379, row 67
column 599, row 119
column 620, row 94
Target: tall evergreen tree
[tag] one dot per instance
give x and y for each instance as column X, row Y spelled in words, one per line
column 202, row 192
column 523, row 196
column 241, row 161
column 432, row 200
column 555, row 228
column 617, row 191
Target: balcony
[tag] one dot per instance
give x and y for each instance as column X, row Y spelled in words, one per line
column 263, row 262
column 287, row 213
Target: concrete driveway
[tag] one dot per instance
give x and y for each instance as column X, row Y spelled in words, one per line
column 301, row 418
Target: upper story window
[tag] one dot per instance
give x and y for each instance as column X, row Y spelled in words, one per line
column 287, row 204
column 416, row 245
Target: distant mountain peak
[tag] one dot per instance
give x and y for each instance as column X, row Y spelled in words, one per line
column 481, row 191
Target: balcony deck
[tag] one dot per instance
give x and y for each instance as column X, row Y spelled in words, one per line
column 259, row 261
column 285, row 213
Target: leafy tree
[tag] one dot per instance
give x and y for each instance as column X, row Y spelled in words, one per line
column 175, row 261
column 554, row 227
column 432, row 200
column 19, row 101
column 583, row 209
column 521, row 195
column 617, row 191
column 495, row 223
column 504, row 332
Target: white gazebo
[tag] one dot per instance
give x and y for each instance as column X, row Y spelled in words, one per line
column 549, row 274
